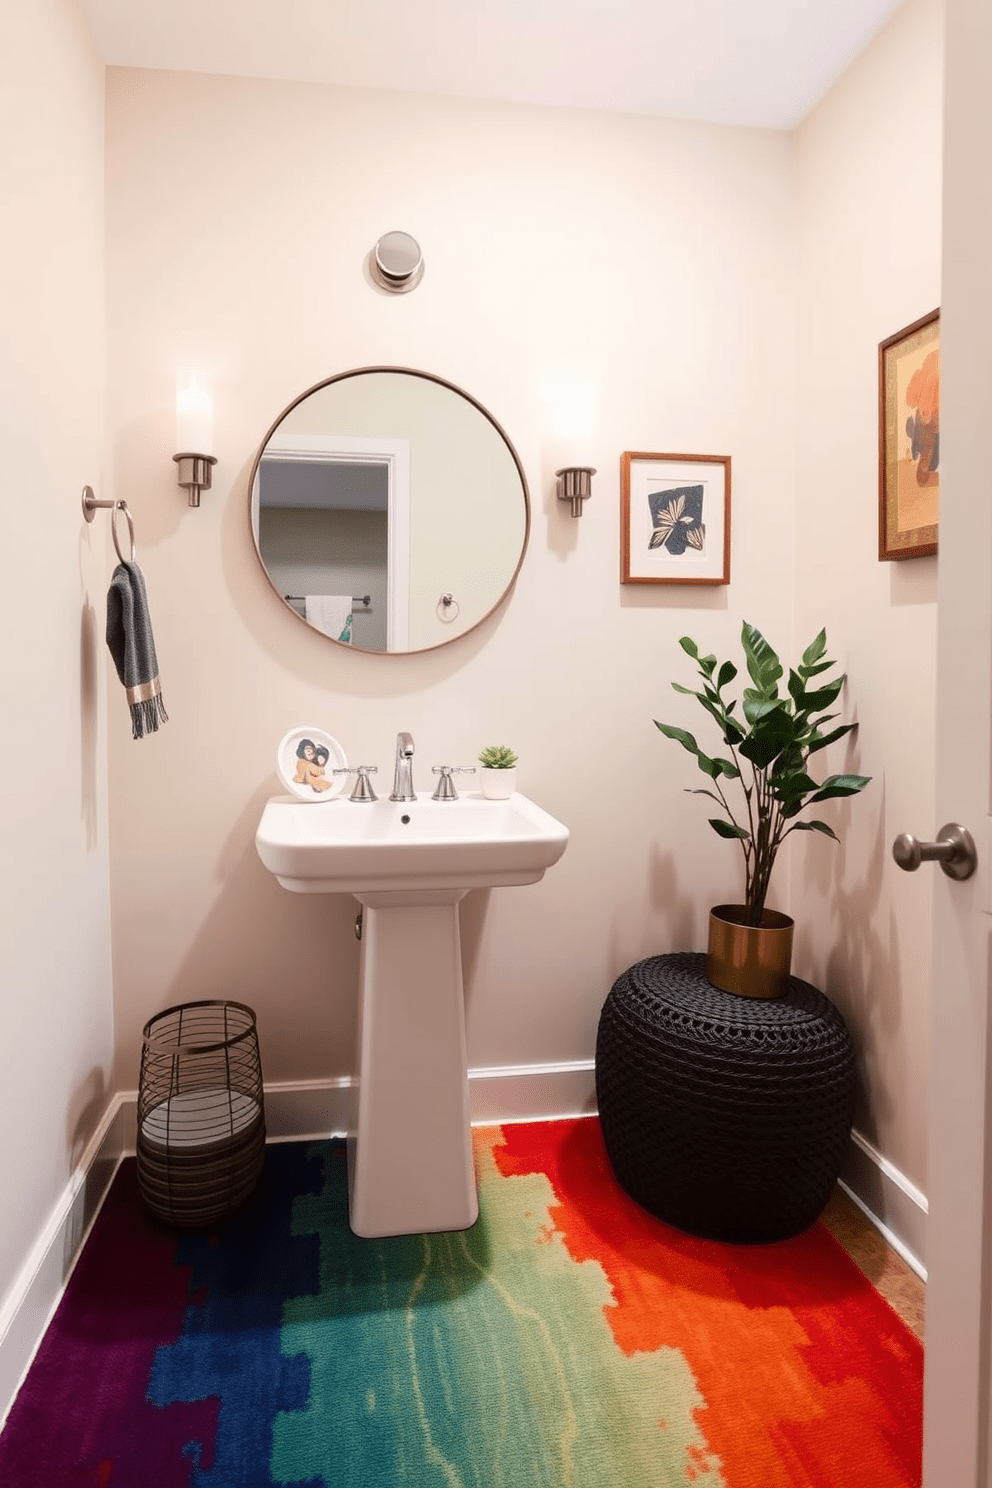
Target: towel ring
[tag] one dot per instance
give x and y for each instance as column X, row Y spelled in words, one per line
column 90, row 505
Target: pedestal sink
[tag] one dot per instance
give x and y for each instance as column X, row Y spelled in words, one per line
column 409, row 863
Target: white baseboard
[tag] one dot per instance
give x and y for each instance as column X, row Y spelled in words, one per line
column 35, row 1294
column 300, row 1109
column 532, row 1092
column 891, row 1201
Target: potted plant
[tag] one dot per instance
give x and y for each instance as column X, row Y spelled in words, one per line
column 770, row 741
column 498, row 772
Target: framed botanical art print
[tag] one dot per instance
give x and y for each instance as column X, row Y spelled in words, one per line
column 676, row 519
column 909, row 440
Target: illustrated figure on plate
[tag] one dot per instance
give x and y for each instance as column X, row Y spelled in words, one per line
column 311, row 760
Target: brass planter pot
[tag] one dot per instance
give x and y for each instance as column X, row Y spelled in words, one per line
column 749, row 960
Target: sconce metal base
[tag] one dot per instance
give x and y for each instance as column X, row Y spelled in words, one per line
column 574, row 484
column 195, row 474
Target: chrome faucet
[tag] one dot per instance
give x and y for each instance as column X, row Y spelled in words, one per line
column 403, row 779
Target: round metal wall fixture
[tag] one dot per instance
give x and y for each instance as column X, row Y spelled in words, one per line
column 396, row 263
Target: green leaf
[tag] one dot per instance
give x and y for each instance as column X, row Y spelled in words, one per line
column 840, row 785
column 726, row 674
column 813, row 671
column 815, row 650
column 792, row 787
column 815, row 826
column 760, row 751
column 727, row 829
column 714, row 768
column 818, row 742
column 707, row 663
column 711, row 767
column 681, row 736
column 763, row 664
column 812, row 702
column 823, row 697
column 701, row 792
column 757, row 707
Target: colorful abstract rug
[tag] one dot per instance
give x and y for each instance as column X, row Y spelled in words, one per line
column 567, row 1340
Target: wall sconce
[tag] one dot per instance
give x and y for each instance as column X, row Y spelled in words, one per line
column 569, row 447
column 574, row 484
column 194, row 434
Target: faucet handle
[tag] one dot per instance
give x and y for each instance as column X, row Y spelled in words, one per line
column 362, row 790
column 446, row 786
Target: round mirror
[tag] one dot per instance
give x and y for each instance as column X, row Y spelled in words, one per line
column 389, row 510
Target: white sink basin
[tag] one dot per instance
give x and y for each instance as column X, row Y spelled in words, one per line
column 354, row 847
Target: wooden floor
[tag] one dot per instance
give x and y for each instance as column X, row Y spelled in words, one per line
column 887, row 1271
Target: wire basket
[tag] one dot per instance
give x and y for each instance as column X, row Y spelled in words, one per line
column 201, row 1117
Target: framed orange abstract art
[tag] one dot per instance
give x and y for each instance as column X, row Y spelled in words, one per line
column 909, row 440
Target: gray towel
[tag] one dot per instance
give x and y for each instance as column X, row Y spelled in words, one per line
column 129, row 636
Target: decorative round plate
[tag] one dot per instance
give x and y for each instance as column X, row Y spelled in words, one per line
column 306, row 761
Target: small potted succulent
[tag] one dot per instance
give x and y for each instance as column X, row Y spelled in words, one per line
column 497, row 772
column 769, row 744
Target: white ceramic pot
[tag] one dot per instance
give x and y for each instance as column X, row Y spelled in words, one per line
column 497, row 785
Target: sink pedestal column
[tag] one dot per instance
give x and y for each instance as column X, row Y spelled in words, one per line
column 410, row 1149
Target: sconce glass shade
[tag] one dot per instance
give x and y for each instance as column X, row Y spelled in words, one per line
column 194, row 414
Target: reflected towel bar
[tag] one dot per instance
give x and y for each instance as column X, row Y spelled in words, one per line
column 362, row 599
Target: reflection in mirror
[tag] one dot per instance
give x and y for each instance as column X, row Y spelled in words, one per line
column 393, row 487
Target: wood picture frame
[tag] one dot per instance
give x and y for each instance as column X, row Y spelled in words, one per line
column 675, row 519
column 909, row 440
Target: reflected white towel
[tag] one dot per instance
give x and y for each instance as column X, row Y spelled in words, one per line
column 330, row 613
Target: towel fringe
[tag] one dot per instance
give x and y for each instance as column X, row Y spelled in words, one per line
column 146, row 717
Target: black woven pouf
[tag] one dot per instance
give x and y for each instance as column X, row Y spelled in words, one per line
column 728, row 1117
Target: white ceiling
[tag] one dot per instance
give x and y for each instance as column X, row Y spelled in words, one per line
column 764, row 63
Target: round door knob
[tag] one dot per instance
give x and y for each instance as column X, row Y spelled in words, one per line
column 907, row 852
column 954, row 850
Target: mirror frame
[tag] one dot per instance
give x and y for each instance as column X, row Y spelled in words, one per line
column 461, row 393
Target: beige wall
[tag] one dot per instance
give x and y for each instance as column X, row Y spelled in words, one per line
column 868, row 166
column 56, row 1050
column 656, row 260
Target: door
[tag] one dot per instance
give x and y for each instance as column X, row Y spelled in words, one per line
column 959, row 1237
